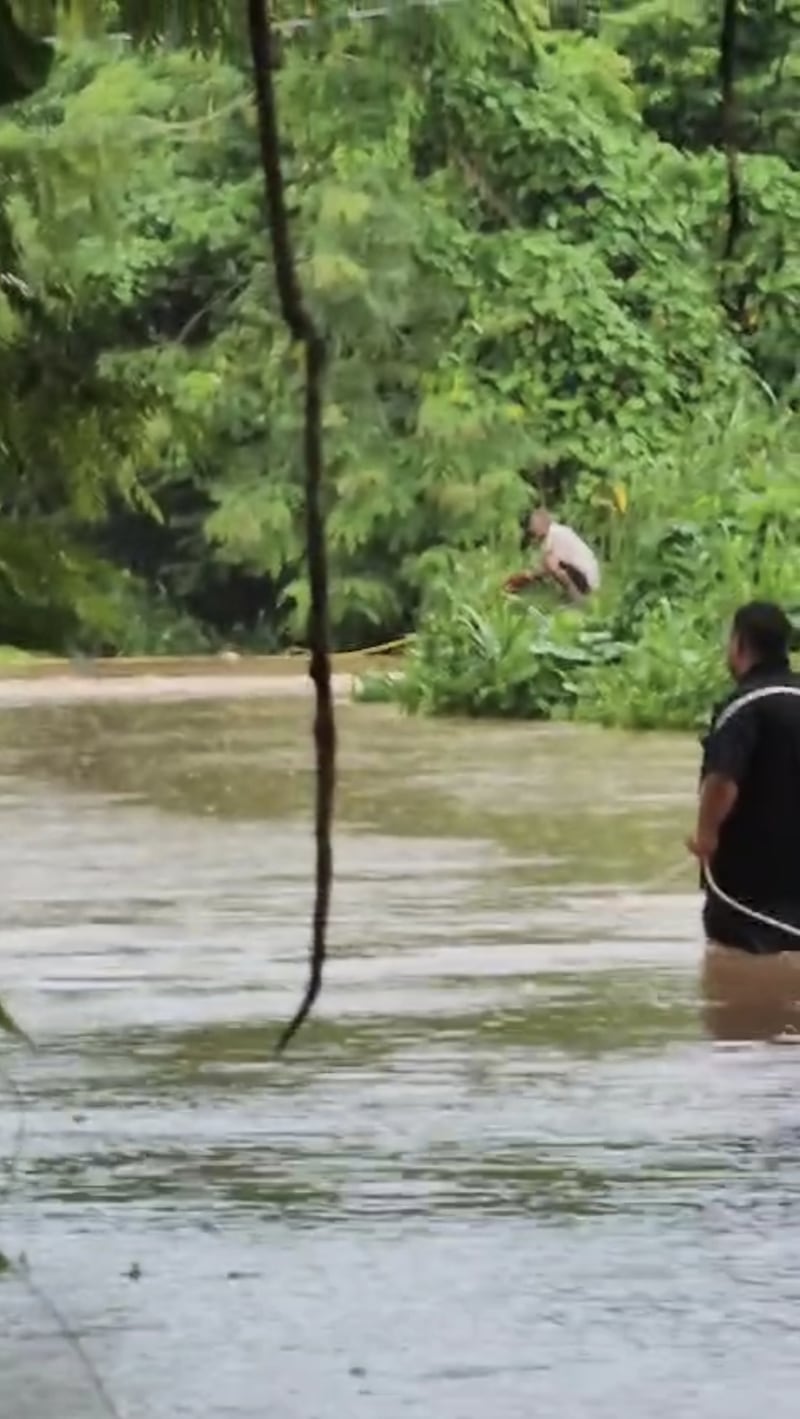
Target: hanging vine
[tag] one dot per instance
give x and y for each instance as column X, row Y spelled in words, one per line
column 304, row 331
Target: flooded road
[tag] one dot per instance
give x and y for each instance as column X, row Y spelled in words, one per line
column 503, row 1172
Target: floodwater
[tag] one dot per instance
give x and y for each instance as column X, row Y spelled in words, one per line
column 505, row 1171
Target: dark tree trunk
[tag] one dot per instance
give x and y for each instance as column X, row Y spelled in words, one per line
column 728, row 124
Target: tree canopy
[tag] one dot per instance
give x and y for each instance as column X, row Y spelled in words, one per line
column 512, row 227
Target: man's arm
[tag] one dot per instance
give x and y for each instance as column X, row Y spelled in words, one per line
column 726, row 762
column 520, row 579
column 718, row 796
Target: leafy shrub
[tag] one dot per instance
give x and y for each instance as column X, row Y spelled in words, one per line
column 479, row 652
column 649, row 652
column 132, row 619
column 502, row 657
column 668, row 678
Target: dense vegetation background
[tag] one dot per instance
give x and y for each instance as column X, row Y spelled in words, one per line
column 515, row 224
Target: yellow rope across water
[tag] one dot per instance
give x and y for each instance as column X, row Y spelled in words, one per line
column 388, row 648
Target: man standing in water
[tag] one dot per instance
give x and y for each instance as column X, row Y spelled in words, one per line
column 747, row 836
column 566, row 559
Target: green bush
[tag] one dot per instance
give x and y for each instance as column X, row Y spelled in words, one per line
column 481, row 652
column 648, row 652
column 668, row 678
column 495, row 656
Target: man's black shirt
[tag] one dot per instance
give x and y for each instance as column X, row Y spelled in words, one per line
column 757, row 746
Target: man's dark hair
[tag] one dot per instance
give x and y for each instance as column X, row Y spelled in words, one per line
column 766, row 631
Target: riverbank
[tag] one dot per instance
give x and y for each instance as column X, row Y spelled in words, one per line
column 191, row 678
column 69, row 689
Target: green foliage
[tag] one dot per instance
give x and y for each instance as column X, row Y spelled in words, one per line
column 483, row 653
column 510, row 229
column 649, row 652
column 674, row 52
column 668, row 678
column 203, row 23
column 488, row 656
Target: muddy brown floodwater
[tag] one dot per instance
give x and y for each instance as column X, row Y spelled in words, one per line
column 504, row 1173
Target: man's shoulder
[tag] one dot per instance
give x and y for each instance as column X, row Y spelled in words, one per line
column 768, row 684
column 759, row 693
column 783, row 690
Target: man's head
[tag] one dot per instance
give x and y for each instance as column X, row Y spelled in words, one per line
column 539, row 524
column 760, row 638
